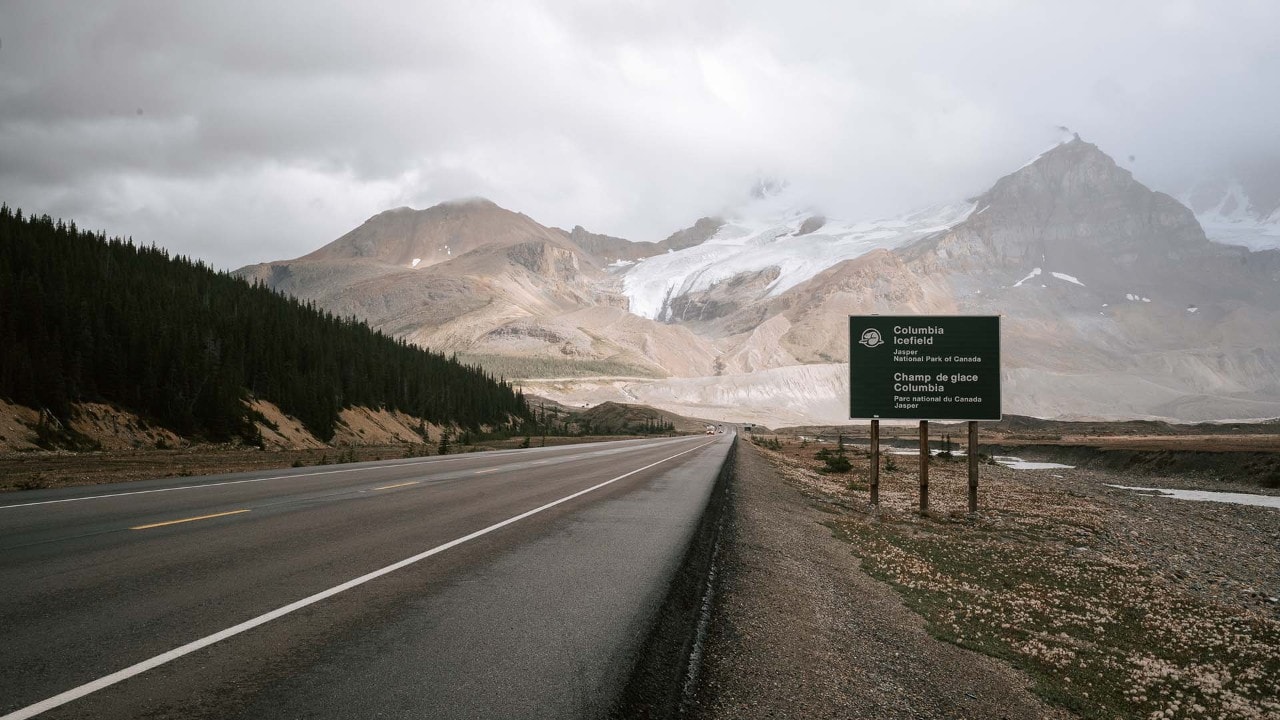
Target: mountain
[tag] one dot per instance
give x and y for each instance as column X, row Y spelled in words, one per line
column 1115, row 302
column 474, row 278
column 1114, row 305
column 1240, row 207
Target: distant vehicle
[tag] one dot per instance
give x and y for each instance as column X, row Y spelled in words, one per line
column 711, row 429
column 720, row 430
column 747, row 426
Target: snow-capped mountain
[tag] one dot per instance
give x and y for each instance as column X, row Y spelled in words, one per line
column 1115, row 302
column 1236, row 212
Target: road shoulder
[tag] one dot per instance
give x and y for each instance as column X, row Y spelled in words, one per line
column 800, row 631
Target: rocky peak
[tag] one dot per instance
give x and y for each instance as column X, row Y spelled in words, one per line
column 1247, row 190
column 1072, row 210
column 1074, row 180
column 702, row 230
column 421, row 238
column 604, row 249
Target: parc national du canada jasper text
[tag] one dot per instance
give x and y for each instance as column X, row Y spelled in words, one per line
column 918, row 368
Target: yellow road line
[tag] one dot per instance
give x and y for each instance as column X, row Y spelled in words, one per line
column 388, row 487
column 187, row 520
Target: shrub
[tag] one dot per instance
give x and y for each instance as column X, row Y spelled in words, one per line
column 837, row 463
column 35, row 482
column 834, row 461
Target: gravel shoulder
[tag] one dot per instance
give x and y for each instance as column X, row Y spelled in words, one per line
column 800, row 631
column 1104, row 602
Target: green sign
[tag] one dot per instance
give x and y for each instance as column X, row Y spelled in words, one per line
column 924, row 367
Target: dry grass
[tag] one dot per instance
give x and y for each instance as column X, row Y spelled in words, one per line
column 38, row 470
column 1043, row 578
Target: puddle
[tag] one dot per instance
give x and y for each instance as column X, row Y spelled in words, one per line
column 1209, row 496
column 1007, row 461
column 1020, row 464
column 954, row 453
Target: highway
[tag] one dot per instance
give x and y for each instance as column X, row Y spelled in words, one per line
column 512, row 584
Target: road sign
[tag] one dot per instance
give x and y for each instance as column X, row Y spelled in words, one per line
column 924, row 367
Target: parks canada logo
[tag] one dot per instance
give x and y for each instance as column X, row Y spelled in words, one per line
column 871, row 338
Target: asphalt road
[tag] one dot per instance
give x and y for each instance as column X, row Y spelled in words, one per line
column 510, row 584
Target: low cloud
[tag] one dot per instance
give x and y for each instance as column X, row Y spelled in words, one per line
column 238, row 132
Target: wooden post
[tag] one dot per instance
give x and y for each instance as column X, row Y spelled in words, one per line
column 875, row 462
column 973, row 466
column 924, row 466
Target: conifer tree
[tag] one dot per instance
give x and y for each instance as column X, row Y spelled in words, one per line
column 87, row 318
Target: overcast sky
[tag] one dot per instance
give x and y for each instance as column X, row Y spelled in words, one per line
column 243, row 132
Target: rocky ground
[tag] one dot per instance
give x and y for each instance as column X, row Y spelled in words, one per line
column 1097, row 602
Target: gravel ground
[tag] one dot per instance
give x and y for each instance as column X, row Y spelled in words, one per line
column 800, row 632
column 1225, row 553
column 1115, row 604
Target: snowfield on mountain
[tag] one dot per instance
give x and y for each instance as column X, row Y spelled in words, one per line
column 1115, row 302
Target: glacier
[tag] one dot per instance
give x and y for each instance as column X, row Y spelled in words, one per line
column 1233, row 221
column 764, row 234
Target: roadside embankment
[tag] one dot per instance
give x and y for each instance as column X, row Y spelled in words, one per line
column 42, row 469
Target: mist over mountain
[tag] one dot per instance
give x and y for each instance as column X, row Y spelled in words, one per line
column 1240, row 204
column 234, row 137
column 1115, row 302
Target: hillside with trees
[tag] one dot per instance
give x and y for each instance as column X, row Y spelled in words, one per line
column 84, row 318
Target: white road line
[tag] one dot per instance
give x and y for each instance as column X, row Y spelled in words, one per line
column 241, row 482
column 398, row 485
column 174, row 654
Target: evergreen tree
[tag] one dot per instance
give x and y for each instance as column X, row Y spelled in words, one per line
column 84, row 318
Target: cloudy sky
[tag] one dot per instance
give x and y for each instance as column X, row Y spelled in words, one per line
column 242, row 132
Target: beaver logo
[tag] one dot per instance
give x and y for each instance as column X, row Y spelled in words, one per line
column 871, row 338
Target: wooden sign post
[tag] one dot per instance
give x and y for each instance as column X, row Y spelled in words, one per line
column 924, row 466
column 924, row 367
column 972, row 451
column 875, row 462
